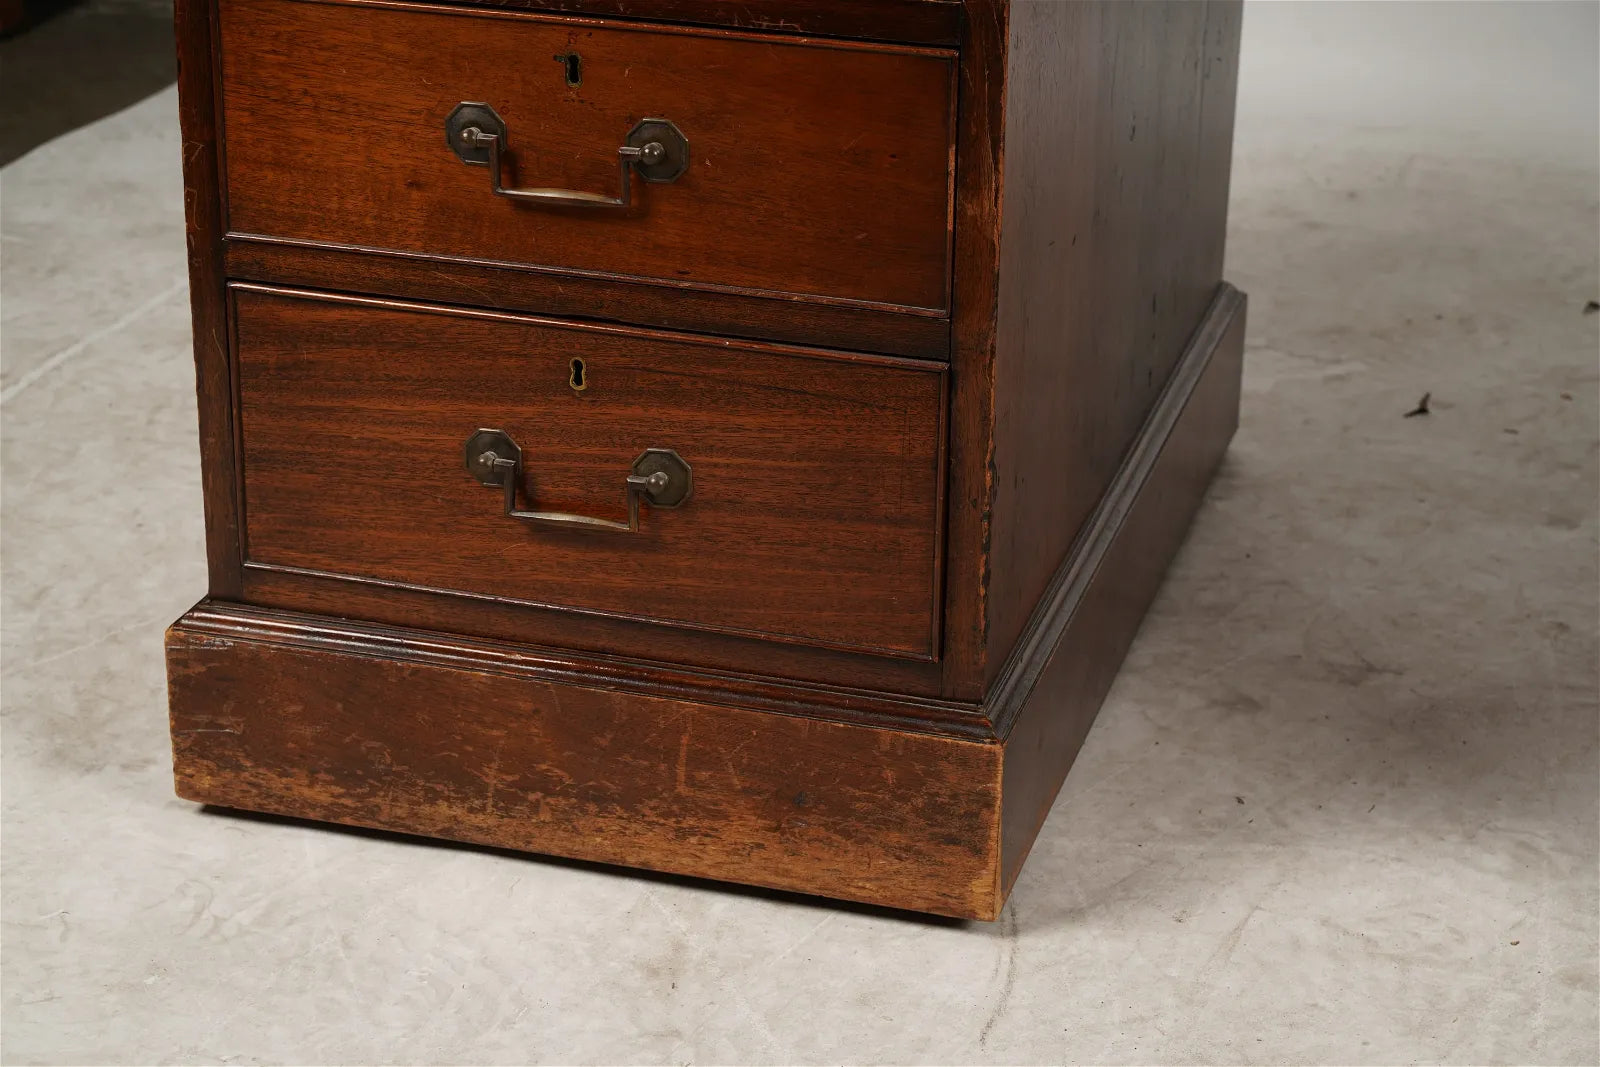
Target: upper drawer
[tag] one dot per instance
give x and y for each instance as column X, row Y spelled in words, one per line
column 818, row 169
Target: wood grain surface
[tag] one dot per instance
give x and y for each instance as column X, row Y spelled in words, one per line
column 816, row 506
column 1047, row 699
column 403, row 735
column 203, row 210
column 861, row 659
column 748, row 656
column 1115, row 210
column 980, row 141
column 848, row 327
column 931, row 22
column 817, row 169
column 703, row 774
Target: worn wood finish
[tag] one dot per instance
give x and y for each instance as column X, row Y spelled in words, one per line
column 1103, row 277
column 354, row 415
column 826, row 702
column 818, row 170
column 928, row 22
column 556, row 293
column 384, row 732
column 975, row 282
column 448, row 612
column 1046, row 699
column 925, row 661
column 792, row 787
column 203, row 209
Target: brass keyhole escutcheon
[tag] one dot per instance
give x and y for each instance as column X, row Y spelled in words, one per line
column 572, row 68
column 578, row 380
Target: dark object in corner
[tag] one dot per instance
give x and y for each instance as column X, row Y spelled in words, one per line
column 1421, row 408
column 67, row 63
column 1591, row 307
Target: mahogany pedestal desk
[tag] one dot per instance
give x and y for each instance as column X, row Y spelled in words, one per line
column 736, row 438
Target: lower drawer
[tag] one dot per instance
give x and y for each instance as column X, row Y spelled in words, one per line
column 786, row 493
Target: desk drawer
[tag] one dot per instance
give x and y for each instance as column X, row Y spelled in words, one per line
column 807, row 485
column 811, row 169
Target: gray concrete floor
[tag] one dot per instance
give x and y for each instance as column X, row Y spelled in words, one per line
column 1340, row 807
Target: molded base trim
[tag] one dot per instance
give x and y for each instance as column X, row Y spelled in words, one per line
column 361, row 733
column 699, row 773
column 1100, row 597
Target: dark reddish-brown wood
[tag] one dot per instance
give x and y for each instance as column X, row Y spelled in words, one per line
column 610, row 299
column 843, row 794
column 1045, row 702
column 819, row 170
column 1103, row 278
column 605, row 635
column 933, row 22
column 13, row 15
column 975, row 282
column 203, row 208
column 1072, row 382
column 446, row 739
column 354, row 414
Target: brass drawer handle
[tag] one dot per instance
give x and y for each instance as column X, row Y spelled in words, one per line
column 655, row 148
column 659, row 477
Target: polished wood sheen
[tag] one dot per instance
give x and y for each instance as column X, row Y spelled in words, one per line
column 820, row 170
column 1045, row 701
column 1109, row 274
column 354, row 415
column 937, row 317
column 935, row 22
column 610, row 761
column 852, row 327
column 510, row 756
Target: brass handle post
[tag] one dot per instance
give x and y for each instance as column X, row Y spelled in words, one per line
column 655, row 148
column 658, row 477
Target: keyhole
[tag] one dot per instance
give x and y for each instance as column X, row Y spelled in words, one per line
column 572, row 64
column 578, row 382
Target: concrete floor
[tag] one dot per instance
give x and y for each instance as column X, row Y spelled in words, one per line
column 1340, row 807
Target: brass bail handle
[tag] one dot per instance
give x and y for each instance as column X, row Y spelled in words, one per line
column 655, row 148
column 659, row 477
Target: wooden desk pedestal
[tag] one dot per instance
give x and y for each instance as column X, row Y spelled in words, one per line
column 737, row 439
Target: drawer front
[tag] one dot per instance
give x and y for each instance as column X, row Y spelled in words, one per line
column 814, row 480
column 812, row 168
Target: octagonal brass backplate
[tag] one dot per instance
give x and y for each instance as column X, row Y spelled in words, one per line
column 674, row 160
column 469, row 116
column 495, row 442
column 680, row 479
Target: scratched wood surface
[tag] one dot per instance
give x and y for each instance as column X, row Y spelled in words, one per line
column 815, row 510
column 395, row 737
column 1096, row 601
column 640, row 302
column 496, row 744
column 819, row 169
column 928, row 22
column 1115, row 211
column 939, row 559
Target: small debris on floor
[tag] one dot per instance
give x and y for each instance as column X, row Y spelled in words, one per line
column 1508, row 429
column 1516, row 942
column 1422, row 406
column 1591, row 307
column 1566, row 396
column 1239, row 799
